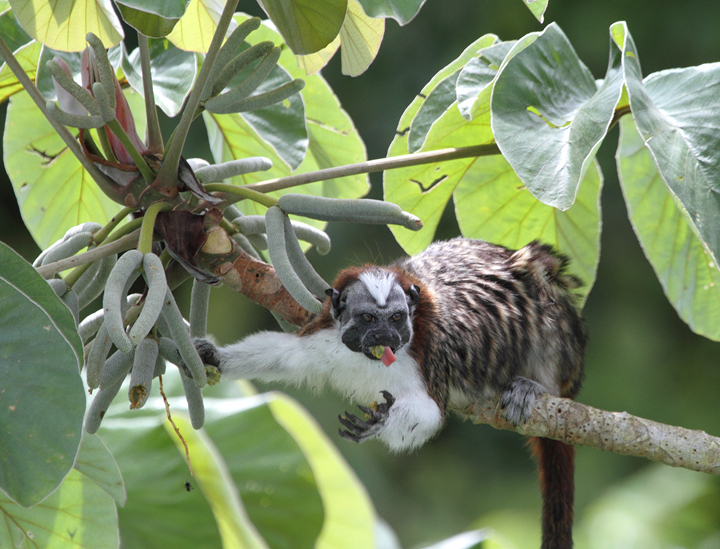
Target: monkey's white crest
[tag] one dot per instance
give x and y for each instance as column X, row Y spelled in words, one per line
column 379, row 284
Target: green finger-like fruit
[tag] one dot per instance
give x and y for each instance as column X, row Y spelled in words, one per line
column 275, row 224
column 114, row 298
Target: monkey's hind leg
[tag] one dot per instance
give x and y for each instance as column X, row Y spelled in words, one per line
column 518, row 399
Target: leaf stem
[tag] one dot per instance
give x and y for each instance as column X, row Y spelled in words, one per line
column 148, row 226
column 371, row 166
column 100, row 236
column 155, row 140
column 167, row 177
column 242, row 191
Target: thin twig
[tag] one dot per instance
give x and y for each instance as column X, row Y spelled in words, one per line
column 177, row 431
column 114, row 247
column 377, row 165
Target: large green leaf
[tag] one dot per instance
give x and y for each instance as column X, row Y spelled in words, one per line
column 403, row 11
column 52, row 189
column 152, row 18
column 491, row 203
column 687, row 272
column 424, row 190
column 78, row 514
column 213, row 478
column 160, row 511
column 441, row 92
column 42, row 400
column 548, row 116
column 173, row 73
column 27, row 56
column 349, row 514
column 63, row 24
column 307, row 25
column 677, row 113
column 96, row 462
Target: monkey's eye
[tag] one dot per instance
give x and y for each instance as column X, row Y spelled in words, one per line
column 397, row 317
column 367, row 318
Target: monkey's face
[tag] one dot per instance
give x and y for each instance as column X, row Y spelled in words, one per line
column 374, row 311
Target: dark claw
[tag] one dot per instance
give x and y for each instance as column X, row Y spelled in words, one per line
column 359, row 429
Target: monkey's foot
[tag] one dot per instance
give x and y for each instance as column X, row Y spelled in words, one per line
column 359, row 430
column 519, row 398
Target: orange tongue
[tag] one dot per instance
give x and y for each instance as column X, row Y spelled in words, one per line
column 388, row 357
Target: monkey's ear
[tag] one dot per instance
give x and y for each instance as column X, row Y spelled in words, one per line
column 334, row 298
column 413, row 295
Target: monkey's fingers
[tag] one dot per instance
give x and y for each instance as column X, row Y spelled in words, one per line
column 349, row 436
column 354, row 423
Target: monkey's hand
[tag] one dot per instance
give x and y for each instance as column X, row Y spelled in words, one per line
column 207, row 351
column 519, row 398
column 359, row 430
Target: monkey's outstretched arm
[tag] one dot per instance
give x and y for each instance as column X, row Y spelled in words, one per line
column 270, row 356
column 407, row 422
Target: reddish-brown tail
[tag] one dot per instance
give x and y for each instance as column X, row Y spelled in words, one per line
column 555, row 464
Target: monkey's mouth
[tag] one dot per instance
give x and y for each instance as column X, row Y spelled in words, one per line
column 381, row 352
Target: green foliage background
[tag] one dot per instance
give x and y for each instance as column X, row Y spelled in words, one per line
column 641, row 358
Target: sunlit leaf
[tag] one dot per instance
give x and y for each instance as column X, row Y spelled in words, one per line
column 313, row 62
column 42, row 400
column 677, row 113
column 687, row 272
column 403, row 11
column 195, row 29
column 27, row 56
column 63, row 24
column 548, row 116
column 78, row 514
column 52, row 189
column 434, row 99
column 306, row 25
column 360, row 37
column 492, row 204
column 173, row 73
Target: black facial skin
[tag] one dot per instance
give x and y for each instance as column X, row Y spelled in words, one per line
column 365, row 325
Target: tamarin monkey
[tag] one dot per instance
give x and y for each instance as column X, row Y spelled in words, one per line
column 462, row 321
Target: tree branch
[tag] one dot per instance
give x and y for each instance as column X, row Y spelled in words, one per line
column 618, row 432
